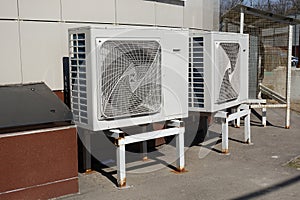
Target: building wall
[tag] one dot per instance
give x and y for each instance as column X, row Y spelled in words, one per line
column 296, row 38
column 296, row 30
column 33, row 34
column 276, row 80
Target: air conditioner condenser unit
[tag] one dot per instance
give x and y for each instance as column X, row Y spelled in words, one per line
column 125, row 76
column 218, row 70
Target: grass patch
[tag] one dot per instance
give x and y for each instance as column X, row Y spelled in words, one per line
column 295, row 163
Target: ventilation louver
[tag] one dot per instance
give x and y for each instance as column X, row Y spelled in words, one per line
column 78, row 77
column 196, row 73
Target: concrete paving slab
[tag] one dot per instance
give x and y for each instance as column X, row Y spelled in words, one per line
column 257, row 171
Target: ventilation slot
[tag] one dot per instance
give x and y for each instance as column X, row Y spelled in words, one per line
column 196, row 72
column 78, row 77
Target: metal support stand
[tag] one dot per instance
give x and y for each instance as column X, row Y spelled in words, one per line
column 85, row 149
column 225, row 136
column 289, row 79
column 238, row 120
column 242, row 18
column 87, row 157
column 174, row 127
column 144, row 146
column 121, row 166
column 255, row 103
column 179, row 148
column 247, row 131
column 264, row 116
column 145, row 153
column 242, row 111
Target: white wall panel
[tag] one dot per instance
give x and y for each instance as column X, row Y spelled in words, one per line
column 208, row 12
column 39, row 9
column 135, row 12
column 169, row 15
column 216, row 15
column 41, row 53
column 10, row 65
column 89, row 10
column 8, row 9
column 193, row 14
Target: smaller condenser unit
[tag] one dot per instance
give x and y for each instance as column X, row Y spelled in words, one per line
column 218, row 70
column 125, row 76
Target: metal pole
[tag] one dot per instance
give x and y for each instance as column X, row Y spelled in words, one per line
column 264, row 116
column 242, row 18
column 180, row 151
column 225, row 136
column 144, row 146
column 145, row 154
column 247, row 133
column 295, row 37
column 288, row 78
column 238, row 120
column 85, row 137
column 121, row 166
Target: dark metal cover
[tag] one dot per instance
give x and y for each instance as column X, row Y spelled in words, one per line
column 30, row 104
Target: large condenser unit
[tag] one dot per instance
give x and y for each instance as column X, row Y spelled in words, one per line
column 218, row 70
column 125, row 76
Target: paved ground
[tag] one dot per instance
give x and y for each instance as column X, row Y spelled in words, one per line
column 257, row 171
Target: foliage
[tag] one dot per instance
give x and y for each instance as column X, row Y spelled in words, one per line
column 282, row 7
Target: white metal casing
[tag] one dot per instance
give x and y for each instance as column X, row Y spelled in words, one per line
column 174, row 83
column 206, row 75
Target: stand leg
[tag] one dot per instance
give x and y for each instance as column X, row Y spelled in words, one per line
column 264, row 116
column 145, row 154
column 225, row 136
column 238, row 120
column 121, row 166
column 144, row 146
column 234, row 122
column 180, row 151
column 85, row 137
column 247, row 132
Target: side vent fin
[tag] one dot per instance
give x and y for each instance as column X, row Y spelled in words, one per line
column 196, row 72
column 78, row 83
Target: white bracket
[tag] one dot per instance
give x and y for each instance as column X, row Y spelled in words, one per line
column 115, row 133
column 257, row 103
column 175, row 123
column 176, row 128
column 243, row 110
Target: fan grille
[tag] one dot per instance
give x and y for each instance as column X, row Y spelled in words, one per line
column 227, row 91
column 130, row 78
